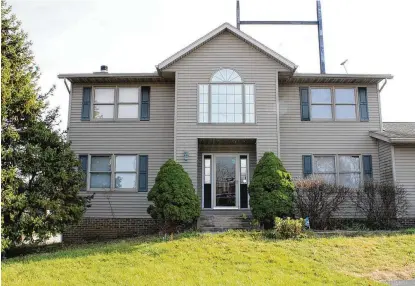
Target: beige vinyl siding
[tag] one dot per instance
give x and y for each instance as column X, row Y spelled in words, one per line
column 385, row 161
column 153, row 138
column 405, row 173
column 224, row 51
column 325, row 137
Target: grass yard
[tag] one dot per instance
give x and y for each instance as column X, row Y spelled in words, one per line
column 233, row 258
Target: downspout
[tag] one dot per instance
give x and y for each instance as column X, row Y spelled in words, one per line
column 294, row 70
column 67, row 86
column 69, row 107
column 278, row 115
column 176, row 77
column 380, row 107
column 383, row 85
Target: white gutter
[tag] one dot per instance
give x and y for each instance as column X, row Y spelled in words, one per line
column 392, row 140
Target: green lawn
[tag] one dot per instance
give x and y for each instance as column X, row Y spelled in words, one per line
column 232, row 258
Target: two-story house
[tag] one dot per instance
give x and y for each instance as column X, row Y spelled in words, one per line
column 216, row 106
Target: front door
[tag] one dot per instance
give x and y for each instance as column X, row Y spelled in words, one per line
column 226, row 181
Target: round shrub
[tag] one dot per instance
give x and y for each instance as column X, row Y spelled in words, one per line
column 271, row 191
column 289, row 228
column 175, row 202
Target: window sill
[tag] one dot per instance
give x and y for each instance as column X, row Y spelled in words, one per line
column 225, row 124
column 116, row 120
column 336, row 121
column 95, row 190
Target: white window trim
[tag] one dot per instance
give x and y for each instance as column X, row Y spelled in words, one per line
column 112, row 162
column 116, row 102
column 333, row 103
column 337, row 166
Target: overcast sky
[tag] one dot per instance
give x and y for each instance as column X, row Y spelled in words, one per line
column 133, row 36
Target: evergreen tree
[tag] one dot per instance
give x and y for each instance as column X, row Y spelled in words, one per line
column 40, row 174
column 175, row 202
column 271, row 190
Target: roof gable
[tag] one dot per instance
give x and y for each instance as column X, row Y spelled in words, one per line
column 226, row 27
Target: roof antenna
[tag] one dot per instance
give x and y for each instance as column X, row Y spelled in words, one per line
column 238, row 25
column 344, row 65
column 319, row 24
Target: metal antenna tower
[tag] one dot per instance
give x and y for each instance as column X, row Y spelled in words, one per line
column 318, row 23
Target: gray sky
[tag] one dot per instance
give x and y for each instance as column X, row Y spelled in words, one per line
column 133, row 36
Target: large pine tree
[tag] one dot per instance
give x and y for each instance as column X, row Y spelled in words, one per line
column 40, row 174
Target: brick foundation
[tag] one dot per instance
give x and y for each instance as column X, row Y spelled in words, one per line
column 344, row 223
column 90, row 229
column 407, row 222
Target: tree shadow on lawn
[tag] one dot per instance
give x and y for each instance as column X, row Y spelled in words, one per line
column 142, row 244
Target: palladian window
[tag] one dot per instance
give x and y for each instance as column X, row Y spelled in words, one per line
column 227, row 99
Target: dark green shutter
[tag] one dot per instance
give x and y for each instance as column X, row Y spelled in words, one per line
column 367, row 167
column 143, row 173
column 84, row 167
column 363, row 106
column 145, row 103
column 307, row 165
column 86, row 103
column 305, row 106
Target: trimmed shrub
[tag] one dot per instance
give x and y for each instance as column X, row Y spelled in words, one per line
column 175, row 203
column 382, row 203
column 318, row 200
column 288, row 228
column 271, row 191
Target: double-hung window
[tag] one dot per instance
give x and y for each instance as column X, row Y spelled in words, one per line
column 100, row 172
column 128, row 102
column 321, row 103
column 112, row 102
column 325, row 167
column 349, row 171
column 333, row 103
column 226, row 99
column 345, row 103
column 109, row 172
column 125, row 172
column 342, row 169
column 104, row 101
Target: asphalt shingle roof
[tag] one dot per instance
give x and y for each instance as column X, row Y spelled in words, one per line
column 399, row 129
column 396, row 132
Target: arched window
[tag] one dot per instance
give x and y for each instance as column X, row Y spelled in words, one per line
column 226, row 99
column 226, row 75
